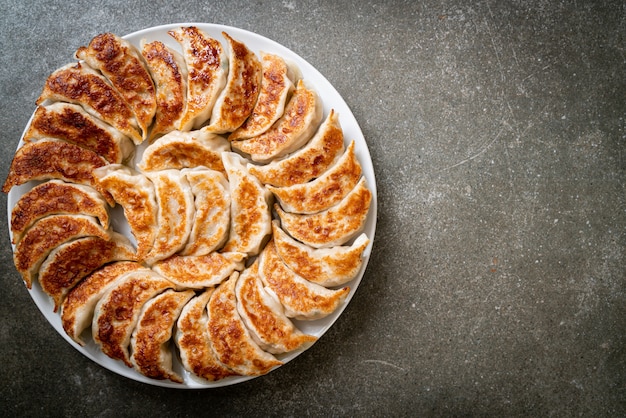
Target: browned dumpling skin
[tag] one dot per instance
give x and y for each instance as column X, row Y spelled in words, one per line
column 151, row 355
column 323, row 192
column 237, row 99
column 230, row 338
column 56, row 197
column 119, row 61
column 71, row 123
column 308, row 162
column 78, row 307
column 54, row 159
column 207, row 67
column 201, row 271
column 334, row 226
column 79, row 84
column 300, row 298
column 169, row 73
column 195, row 347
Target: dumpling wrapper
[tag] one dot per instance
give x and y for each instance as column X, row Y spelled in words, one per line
column 78, row 307
column 230, row 338
column 277, row 85
column 120, row 62
column 117, row 312
column 299, row 122
column 151, row 353
column 300, row 298
column 79, row 84
column 178, row 150
column 193, row 342
column 334, row 226
column 56, row 197
column 325, row 266
column 202, row 271
column 309, row 162
column 71, row 123
column 264, row 316
column 207, row 67
column 251, row 219
column 323, row 192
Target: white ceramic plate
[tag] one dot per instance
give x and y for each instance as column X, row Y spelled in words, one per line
column 331, row 99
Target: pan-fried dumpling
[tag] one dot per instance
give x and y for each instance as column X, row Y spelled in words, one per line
column 277, row 84
column 175, row 213
column 54, row 159
column 194, row 344
column 300, row 298
column 301, row 119
column 151, row 354
column 309, row 162
column 237, row 99
column 197, row 272
column 207, row 66
column 56, row 197
column 179, row 150
column 71, row 123
column 135, row 193
column 47, row 234
column 77, row 308
column 117, row 312
column 82, row 85
column 334, row 226
column 325, row 266
column 70, row 262
column 323, row 192
column 211, row 222
column 231, row 340
column 169, row 73
column 119, row 61
column 251, row 220
column 264, row 316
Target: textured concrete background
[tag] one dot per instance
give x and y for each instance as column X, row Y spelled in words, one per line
column 497, row 281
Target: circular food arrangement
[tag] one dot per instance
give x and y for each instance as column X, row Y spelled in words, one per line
column 191, row 205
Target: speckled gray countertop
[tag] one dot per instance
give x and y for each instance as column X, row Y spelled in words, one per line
column 496, row 285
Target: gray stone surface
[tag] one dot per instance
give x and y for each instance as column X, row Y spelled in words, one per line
column 497, row 281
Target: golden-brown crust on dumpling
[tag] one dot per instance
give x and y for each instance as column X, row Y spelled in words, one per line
column 201, row 271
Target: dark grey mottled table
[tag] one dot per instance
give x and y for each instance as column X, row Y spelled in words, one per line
column 497, row 281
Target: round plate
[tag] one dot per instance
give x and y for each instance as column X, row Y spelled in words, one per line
column 331, row 99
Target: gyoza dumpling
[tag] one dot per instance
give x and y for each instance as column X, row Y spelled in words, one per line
column 135, row 193
column 71, row 123
column 117, row 312
column 194, row 344
column 334, row 226
column 54, row 159
column 47, row 234
column 211, row 222
column 169, row 73
column 229, row 336
column 323, row 192
column 175, row 213
column 151, row 354
column 179, row 150
column 77, row 308
column 277, row 84
column 264, row 315
column 251, row 220
column 302, row 117
column 119, row 61
column 70, row 262
column 197, row 272
column 82, row 85
column 56, row 197
column 207, row 66
column 309, row 162
column 237, row 99
column 325, row 266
